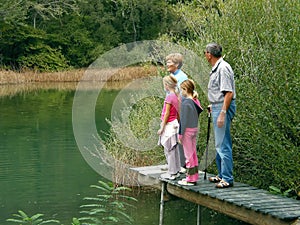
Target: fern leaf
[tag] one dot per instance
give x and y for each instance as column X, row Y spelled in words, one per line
column 36, row 222
column 49, row 221
column 91, row 205
column 16, row 221
column 23, row 214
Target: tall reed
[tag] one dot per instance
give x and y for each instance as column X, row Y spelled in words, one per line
column 122, row 74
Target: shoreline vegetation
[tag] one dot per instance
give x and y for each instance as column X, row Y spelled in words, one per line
column 12, row 82
column 122, row 74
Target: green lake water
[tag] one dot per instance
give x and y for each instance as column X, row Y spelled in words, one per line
column 42, row 170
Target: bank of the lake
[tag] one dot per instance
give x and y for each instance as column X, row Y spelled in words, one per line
column 109, row 75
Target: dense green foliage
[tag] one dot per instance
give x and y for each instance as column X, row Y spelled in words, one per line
column 55, row 35
column 262, row 45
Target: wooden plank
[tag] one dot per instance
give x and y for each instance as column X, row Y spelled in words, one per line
column 224, row 194
column 283, row 213
column 248, row 196
column 275, row 205
column 143, row 168
column 273, row 208
column 206, row 186
column 240, row 213
column 149, row 170
column 263, row 205
column 267, row 200
column 259, row 199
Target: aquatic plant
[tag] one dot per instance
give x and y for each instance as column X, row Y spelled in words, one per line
column 23, row 218
column 108, row 207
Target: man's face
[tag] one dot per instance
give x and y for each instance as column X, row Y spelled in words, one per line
column 207, row 55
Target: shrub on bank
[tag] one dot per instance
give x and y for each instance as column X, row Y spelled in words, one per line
column 262, row 45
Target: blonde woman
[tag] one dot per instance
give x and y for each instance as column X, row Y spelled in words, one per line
column 174, row 62
column 168, row 131
column 188, row 130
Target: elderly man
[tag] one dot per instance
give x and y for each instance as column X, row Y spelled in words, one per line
column 221, row 95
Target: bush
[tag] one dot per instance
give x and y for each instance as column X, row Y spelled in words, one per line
column 128, row 136
column 43, row 58
column 262, row 46
column 26, row 47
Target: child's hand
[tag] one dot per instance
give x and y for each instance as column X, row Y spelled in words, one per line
column 162, row 127
column 179, row 138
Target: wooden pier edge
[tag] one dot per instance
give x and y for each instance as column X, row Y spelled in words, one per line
column 246, row 205
column 240, row 213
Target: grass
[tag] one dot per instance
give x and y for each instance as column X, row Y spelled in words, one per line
column 128, row 73
column 13, row 82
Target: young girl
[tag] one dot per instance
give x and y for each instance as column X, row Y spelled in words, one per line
column 188, row 130
column 168, row 131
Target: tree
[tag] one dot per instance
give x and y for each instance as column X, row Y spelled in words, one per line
column 78, row 31
column 12, row 11
column 47, row 9
column 143, row 19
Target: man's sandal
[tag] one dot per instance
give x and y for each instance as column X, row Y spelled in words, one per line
column 223, row 184
column 215, row 179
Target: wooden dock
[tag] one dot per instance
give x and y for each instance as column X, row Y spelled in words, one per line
column 242, row 201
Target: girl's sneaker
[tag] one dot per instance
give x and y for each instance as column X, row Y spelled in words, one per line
column 170, row 176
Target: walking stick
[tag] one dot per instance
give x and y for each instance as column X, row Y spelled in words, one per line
column 207, row 140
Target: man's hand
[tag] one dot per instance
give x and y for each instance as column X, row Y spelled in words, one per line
column 221, row 120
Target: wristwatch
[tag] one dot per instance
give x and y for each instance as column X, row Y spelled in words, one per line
column 223, row 111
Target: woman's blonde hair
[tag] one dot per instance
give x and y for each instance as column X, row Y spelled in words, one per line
column 176, row 58
column 189, row 86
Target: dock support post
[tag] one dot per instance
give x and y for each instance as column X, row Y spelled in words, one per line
column 161, row 212
column 199, row 215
